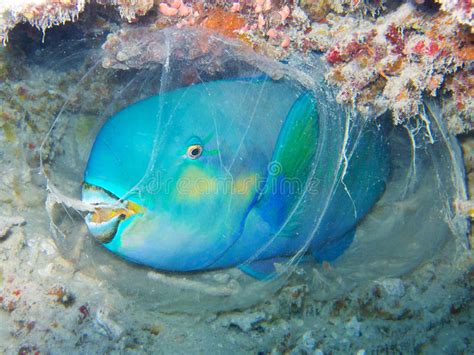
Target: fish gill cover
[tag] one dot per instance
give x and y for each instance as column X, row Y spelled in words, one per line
column 206, row 172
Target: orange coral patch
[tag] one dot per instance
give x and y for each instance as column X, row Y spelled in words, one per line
column 226, row 23
column 466, row 53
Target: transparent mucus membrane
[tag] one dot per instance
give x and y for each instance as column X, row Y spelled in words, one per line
column 210, row 177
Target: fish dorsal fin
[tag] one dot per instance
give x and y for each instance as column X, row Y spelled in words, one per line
column 291, row 163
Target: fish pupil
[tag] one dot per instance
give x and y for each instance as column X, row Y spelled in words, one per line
column 194, row 151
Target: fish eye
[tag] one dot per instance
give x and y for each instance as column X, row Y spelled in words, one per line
column 194, row 151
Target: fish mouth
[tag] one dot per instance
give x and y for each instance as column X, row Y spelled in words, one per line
column 104, row 221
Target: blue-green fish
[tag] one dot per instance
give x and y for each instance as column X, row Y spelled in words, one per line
column 229, row 173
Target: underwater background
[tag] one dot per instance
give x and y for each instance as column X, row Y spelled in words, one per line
column 404, row 286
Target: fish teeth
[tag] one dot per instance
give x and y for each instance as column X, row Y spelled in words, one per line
column 103, row 232
column 97, row 196
column 103, row 223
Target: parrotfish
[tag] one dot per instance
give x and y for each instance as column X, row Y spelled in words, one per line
column 229, row 173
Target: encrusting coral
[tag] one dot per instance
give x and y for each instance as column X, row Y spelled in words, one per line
column 44, row 14
column 396, row 61
column 383, row 55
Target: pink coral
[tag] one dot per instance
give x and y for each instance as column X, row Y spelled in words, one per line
column 168, row 10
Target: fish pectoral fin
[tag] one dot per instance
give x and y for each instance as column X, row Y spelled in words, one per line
column 291, row 165
column 297, row 141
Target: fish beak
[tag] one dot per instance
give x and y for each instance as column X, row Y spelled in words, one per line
column 104, row 221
